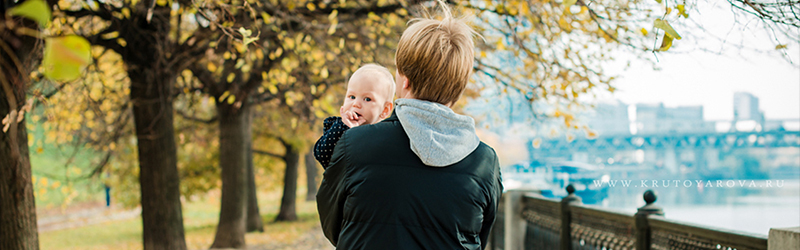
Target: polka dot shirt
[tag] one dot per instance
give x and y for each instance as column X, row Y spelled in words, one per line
column 334, row 128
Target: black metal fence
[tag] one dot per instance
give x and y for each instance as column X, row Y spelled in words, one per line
column 536, row 222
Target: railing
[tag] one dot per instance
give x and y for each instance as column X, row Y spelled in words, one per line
column 529, row 221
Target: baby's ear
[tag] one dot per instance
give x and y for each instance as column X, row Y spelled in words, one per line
column 387, row 109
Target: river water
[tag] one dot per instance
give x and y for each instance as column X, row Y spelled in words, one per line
column 752, row 206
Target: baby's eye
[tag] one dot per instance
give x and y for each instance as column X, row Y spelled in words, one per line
column 351, row 97
column 367, row 99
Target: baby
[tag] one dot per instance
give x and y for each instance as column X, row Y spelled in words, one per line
column 368, row 100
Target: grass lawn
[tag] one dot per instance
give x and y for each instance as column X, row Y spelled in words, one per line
column 200, row 220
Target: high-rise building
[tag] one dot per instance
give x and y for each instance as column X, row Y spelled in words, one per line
column 745, row 107
column 746, row 113
column 610, row 118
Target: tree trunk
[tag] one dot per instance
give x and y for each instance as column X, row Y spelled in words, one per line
column 162, row 218
column 232, row 158
column 18, row 230
column 17, row 206
column 254, row 222
column 311, row 176
column 288, row 210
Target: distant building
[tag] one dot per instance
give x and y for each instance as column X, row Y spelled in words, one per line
column 609, row 119
column 746, row 113
column 745, row 107
column 656, row 119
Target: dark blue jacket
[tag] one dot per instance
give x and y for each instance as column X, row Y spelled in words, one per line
column 377, row 194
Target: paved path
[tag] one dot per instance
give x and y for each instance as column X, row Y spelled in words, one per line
column 82, row 215
column 311, row 240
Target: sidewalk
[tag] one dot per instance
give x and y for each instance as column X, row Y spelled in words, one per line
column 311, row 240
column 82, row 215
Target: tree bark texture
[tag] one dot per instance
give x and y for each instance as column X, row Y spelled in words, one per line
column 311, row 176
column 18, row 229
column 162, row 218
column 18, row 57
column 17, row 206
column 232, row 159
column 153, row 72
column 254, row 221
column 288, row 211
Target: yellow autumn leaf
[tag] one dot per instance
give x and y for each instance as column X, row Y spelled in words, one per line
column 224, row 95
column 666, row 42
column 333, row 14
column 500, row 45
column 122, row 42
column 537, row 142
column 566, row 26
column 36, row 10
column 332, row 29
column 664, row 25
column 644, row 31
column 682, row 11
column 568, row 3
column 590, row 134
column 110, row 35
column 65, row 57
column 780, row 46
column 324, row 73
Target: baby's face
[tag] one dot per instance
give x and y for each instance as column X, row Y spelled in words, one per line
column 367, row 97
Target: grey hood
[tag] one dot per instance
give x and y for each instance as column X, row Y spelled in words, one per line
column 439, row 136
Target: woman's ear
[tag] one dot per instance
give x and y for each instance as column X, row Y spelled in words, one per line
column 387, row 109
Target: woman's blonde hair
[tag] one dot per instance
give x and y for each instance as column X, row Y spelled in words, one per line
column 436, row 56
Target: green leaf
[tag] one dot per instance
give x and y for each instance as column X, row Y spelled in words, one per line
column 664, row 25
column 247, row 36
column 245, row 32
column 36, row 10
column 65, row 57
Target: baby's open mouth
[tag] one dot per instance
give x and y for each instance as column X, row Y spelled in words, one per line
column 359, row 115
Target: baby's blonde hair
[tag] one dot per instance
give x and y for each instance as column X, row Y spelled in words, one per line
column 436, row 56
column 383, row 74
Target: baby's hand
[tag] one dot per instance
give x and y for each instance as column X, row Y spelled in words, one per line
column 351, row 118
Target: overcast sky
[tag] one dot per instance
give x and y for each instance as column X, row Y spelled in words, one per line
column 710, row 80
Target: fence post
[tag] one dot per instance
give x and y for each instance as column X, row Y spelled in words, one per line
column 566, row 217
column 643, row 232
column 514, row 224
